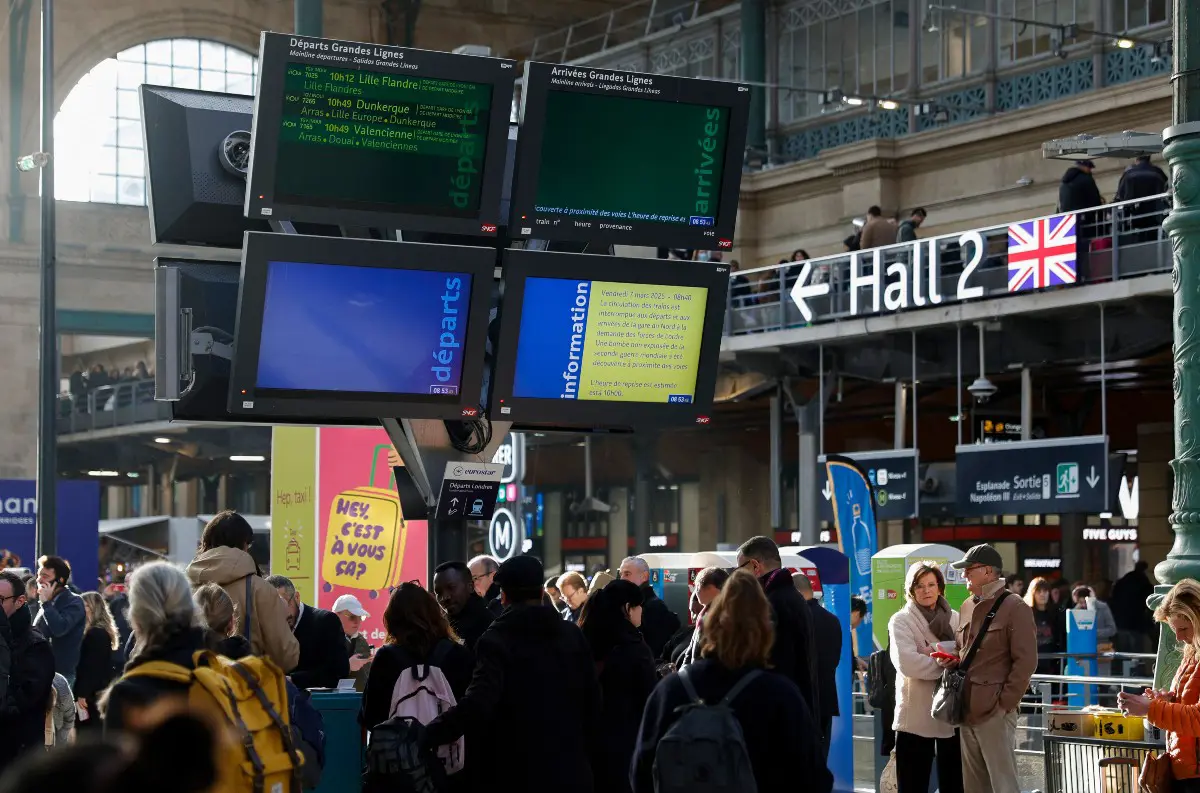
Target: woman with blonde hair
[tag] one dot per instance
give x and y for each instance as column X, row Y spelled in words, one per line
column 781, row 736
column 1176, row 710
column 915, row 631
column 96, row 669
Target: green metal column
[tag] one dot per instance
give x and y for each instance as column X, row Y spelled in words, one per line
column 754, row 69
column 1183, row 227
column 309, row 18
column 18, row 46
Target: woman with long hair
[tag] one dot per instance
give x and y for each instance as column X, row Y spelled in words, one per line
column 626, row 670
column 1050, row 623
column 780, row 733
column 915, row 631
column 417, row 630
column 166, row 628
column 1176, row 710
column 96, row 654
column 224, row 559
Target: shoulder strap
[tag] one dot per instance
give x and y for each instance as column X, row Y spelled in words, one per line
column 689, row 688
column 162, row 670
column 249, row 609
column 987, row 621
column 746, row 680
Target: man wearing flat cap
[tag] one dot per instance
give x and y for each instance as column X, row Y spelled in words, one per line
column 529, row 665
column 998, row 673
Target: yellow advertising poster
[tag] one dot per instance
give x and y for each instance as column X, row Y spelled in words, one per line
column 294, row 529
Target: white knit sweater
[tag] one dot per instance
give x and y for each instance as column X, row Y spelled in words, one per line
column 916, row 673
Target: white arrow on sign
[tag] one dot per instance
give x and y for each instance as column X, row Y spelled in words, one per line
column 827, row 492
column 1092, row 478
column 454, row 501
column 804, row 290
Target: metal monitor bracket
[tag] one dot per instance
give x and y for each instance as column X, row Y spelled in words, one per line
column 424, row 447
column 1120, row 145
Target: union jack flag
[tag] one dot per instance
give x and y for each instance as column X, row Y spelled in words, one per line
column 1041, row 253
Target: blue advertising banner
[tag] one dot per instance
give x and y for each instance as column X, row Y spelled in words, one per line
column 78, row 526
column 854, row 515
column 834, row 570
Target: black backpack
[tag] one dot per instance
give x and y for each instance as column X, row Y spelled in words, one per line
column 705, row 751
column 396, row 761
column 881, row 680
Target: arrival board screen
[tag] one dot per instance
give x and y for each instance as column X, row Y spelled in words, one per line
column 608, row 341
column 385, row 142
column 614, row 158
column 362, row 329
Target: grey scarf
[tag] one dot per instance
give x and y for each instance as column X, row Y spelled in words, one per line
column 938, row 617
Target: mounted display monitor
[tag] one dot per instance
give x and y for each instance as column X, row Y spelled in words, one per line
column 197, row 149
column 351, row 328
column 371, row 135
column 625, row 158
column 603, row 341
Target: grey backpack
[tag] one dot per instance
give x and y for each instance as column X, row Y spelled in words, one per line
column 704, row 751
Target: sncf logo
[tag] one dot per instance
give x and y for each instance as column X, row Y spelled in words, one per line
column 470, row 412
column 725, row 244
column 488, row 228
column 703, row 420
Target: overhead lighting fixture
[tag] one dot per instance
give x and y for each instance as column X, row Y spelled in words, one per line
column 1125, row 44
column 855, row 101
column 162, row 440
column 1105, row 516
column 888, row 104
column 103, row 473
column 246, row 458
column 132, row 474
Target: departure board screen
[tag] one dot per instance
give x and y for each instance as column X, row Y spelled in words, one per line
column 372, row 140
column 609, row 341
column 596, row 146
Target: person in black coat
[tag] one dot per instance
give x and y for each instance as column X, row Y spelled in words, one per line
column 96, row 669
column 31, row 675
column 530, row 665
column 829, row 654
column 468, row 613
column 483, row 580
column 794, row 652
column 1140, row 182
column 778, row 729
column 659, row 624
column 323, row 656
column 627, row 676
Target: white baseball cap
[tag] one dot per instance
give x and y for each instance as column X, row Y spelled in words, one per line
column 351, row 604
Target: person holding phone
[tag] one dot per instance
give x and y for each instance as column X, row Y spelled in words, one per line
column 915, row 633
column 62, row 615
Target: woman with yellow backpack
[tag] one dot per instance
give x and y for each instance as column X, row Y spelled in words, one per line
column 171, row 661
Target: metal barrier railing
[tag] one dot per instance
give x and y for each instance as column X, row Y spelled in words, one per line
column 107, row 406
column 1123, row 240
column 1034, row 748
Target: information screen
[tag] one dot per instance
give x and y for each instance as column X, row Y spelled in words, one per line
column 387, row 142
column 609, row 341
column 362, row 329
column 621, row 158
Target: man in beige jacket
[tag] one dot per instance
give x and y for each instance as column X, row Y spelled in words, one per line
column 998, row 675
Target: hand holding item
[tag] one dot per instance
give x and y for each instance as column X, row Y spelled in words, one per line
column 357, row 662
column 1133, row 704
column 945, row 660
column 1164, row 693
column 46, row 591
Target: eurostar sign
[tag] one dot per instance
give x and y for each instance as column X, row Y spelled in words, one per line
column 913, row 280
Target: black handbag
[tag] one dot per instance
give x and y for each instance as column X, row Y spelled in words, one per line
column 950, row 699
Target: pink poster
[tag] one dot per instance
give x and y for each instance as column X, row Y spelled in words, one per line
column 365, row 546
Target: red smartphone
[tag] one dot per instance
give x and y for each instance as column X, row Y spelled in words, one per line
column 941, row 656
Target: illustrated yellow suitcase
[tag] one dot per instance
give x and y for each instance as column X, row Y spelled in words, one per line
column 366, row 533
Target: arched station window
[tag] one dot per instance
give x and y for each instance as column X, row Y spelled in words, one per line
column 99, row 155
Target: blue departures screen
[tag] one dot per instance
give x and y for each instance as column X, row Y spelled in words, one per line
column 363, row 329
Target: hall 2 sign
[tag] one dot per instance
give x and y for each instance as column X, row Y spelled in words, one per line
column 897, row 285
